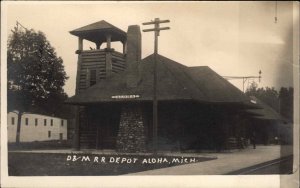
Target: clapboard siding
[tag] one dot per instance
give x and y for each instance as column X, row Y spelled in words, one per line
column 88, row 52
column 118, row 69
column 93, row 60
column 118, row 58
column 115, row 53
column 119, row 65
column 118, row 62
column 91, row 66
column 96, row 59
column 87, row 55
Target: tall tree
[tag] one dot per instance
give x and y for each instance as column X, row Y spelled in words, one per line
column 286, row 102
column 267, row 95
column 281, row 101
column 35, row 74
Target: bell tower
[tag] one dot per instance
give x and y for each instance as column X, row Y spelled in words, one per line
column 93, row 65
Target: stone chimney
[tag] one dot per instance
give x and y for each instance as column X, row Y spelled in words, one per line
column 134, row 50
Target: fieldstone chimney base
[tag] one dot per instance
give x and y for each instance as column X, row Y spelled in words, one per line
column 131, row 136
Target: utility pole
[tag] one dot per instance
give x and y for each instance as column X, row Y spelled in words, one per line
column 245, row 78
column 156, row 30
column 19, row 24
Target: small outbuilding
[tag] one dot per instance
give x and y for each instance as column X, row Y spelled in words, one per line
column 36, row 127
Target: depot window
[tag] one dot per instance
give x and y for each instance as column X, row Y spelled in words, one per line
column 93, row 77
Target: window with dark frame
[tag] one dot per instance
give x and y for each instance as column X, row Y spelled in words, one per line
column 49, row 134
column 26, row 121
column 51, row 122
column 36, row 122
column 93, row 77
column 12, row 120
column 62, row 123
column 45, row 122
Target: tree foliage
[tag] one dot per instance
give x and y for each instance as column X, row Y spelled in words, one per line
column 281, row 101
column 286, row 102
column 267, row 95
column 36, row 75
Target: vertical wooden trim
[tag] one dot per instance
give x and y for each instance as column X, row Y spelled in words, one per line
column 19, row 122
column 124, row 47
column 97, row 137
column 76, row 143
column 108, row 64
column 79, row 62
column 87, row 85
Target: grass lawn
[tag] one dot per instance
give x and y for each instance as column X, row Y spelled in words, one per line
column 53, row 164
column 40, row 145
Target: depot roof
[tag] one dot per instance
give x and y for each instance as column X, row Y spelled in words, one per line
column 175, row 82
column 265, row 111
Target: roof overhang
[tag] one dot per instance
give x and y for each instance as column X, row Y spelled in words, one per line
column 99, row 35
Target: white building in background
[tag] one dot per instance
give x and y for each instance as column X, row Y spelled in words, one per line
column 35, row 127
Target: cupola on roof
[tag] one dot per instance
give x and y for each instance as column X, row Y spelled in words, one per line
column 97, row 32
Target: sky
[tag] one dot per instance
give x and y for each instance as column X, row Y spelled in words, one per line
column 232, row 38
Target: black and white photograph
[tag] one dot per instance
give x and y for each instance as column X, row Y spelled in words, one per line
column 158, row 90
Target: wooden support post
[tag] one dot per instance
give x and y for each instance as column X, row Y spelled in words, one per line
column 76, row 143
column 124, row 47
column 98, row 44
column 80, row 43
column 155, row 141
column 19, row 127
column 108, row 41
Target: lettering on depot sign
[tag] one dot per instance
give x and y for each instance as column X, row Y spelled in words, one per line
column 130, row 160
column 125, row 96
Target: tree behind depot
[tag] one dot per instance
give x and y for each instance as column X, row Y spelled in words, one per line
column 281, row 101
column 35, row 74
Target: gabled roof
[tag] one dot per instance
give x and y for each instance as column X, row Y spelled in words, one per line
column 96, row 32
column 175, row 82
column 215, row 87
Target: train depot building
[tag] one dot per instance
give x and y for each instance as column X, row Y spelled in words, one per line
column 197, row 108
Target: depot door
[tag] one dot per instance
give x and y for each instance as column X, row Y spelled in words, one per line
column 107, row 129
